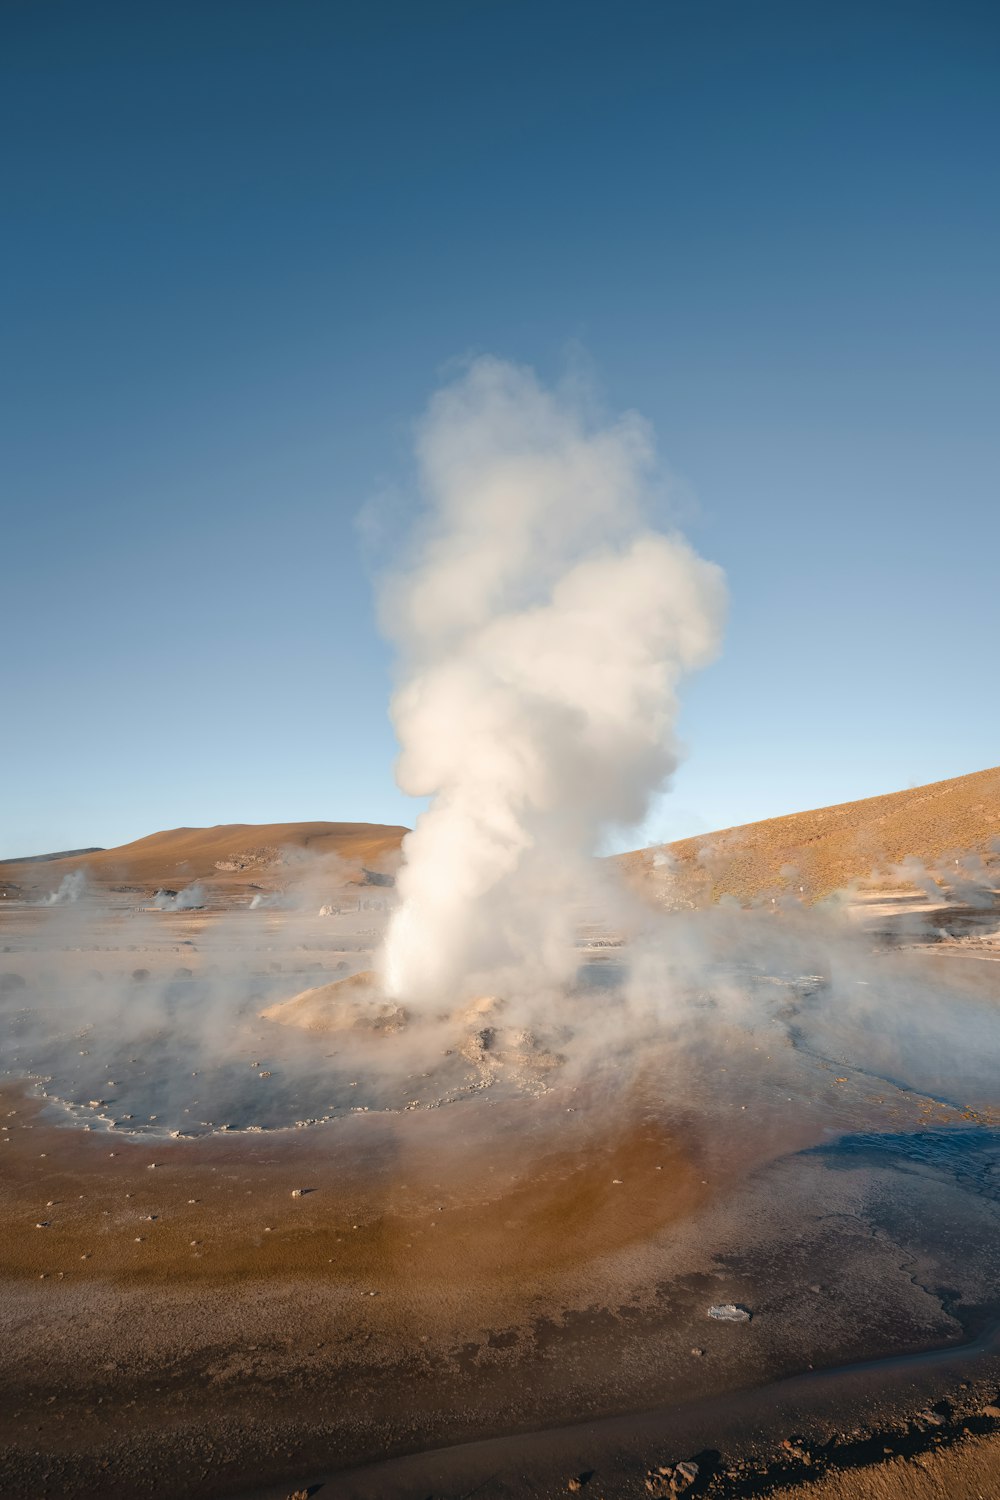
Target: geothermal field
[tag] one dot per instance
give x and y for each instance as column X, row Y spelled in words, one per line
column 470, row 1159
column 265, row 1224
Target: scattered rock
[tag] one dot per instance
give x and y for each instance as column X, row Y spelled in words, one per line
column 991, row 1411
column 668, row 1480
column 730, row 1312
column 685, row 1475
column 794, row 1447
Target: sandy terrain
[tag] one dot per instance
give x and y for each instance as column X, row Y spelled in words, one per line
column 831, row 847
column 820, row 851
column 227, row 860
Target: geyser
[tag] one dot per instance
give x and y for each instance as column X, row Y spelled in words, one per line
column 542, row 627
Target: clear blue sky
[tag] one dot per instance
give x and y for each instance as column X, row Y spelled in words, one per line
column 241, row 243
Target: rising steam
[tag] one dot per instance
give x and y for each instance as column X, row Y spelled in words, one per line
column 542, row 629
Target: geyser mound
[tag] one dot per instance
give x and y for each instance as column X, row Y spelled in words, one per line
column 352, row 1004
column 479, row 1032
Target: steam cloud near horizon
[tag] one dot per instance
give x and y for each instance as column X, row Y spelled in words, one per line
column 543, row 628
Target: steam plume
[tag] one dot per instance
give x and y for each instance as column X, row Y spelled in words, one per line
column 543, row 628
column 70, row 889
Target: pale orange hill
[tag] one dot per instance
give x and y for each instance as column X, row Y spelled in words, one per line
column 830, row 847
column 230, row 854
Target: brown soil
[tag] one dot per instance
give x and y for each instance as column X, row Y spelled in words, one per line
column 250, row 853
column 366, row 1201
column 830, row 847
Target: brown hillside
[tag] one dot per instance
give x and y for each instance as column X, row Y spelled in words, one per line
column 228, row 854
column 830, row 847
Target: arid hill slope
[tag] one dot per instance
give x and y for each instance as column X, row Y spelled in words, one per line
column 820, row 851
column 228, row 854
column 826, row 849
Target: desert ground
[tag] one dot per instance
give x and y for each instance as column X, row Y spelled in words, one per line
column 723, row 1220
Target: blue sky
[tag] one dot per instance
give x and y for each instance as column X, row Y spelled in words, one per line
column 243, row 244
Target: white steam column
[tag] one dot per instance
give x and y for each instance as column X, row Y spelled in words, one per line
column 542, row 630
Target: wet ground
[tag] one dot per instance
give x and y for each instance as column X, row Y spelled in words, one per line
column 455, row 1252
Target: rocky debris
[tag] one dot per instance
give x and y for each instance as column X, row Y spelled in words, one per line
column 249, row 859
column 795, row 1448
column 730, row 1312
column 299, row 1495
column 296, row 1192
column 672, row 1479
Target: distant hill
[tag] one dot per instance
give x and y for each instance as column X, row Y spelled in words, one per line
column 230, row 854
column 828, row 848
column 809, row 853
column 41, row 859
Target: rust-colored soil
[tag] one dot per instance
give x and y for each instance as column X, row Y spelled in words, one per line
column 361, row 1201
